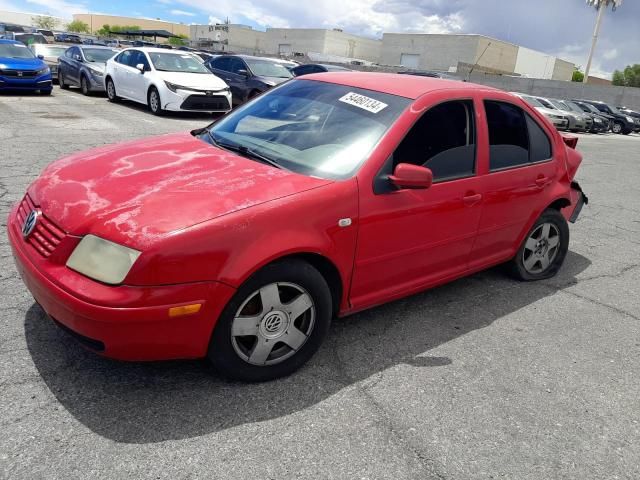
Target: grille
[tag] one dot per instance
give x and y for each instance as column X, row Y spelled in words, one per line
column 14, row 73
column 203, row 102
column 46, row 236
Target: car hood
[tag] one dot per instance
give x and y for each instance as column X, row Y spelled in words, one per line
column 201, row 81
column 22, row 63
column 136, row 193
column 271, row 80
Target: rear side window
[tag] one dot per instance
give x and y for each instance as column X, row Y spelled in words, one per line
column 539, row 143
column 221, row 63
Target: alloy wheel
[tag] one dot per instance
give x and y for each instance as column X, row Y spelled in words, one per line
column 273, row 323
column 541, row 248
column 154, row 102
column 111, row 90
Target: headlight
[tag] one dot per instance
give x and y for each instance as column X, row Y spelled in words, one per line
column 558, row 117
column 629, row 119
column 102, row 260
column 44, row 70
column 597, row 120
column 96, row 72
column 173, row 87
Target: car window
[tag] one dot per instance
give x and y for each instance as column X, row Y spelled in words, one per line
column 235, row 65
column 508, row 136
column 443, row 140
column 15, row 50
column 539, row 143
column 125, row 57
column 303, row 70
column 267, row 68
column 221, row 63
column 140, row 57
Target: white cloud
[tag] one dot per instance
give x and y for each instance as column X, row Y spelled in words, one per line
column 60, row 8
column 183, row 13
column 214, row 20
column 611, row 54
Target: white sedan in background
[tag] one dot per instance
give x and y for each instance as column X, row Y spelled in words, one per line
column 165, row 80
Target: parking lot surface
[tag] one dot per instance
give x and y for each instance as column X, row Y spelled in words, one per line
column 483, row 378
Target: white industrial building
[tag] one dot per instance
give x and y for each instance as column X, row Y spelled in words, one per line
column 29, row 19
column 460, row 53
column 229, row 38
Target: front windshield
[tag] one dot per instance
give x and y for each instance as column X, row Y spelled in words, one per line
column 313, row 128
column 99, row 55
column 559, row 105
column 50, row 50
column 177, row 62
column 12, row 50
column 265, row 68
column 574, row 107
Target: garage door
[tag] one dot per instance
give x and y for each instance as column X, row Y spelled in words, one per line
column 410, row 60
column 284, row 49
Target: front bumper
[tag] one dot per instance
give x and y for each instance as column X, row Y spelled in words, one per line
column 41, row 82
column 192, row 101
column 122, row 322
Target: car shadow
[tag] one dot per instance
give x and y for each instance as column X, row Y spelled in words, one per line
column 157, row 401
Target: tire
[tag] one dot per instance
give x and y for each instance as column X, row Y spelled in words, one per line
column 280, row 341
column 154, row 102
column 61, row 81
column 46, row 92
column 626, row 132
column 84, row 86
column 111, row 90
column 540, row 256
column 617, row 127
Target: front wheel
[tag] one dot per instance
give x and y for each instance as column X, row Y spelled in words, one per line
column 617, row 127
column 274, row 323
column 111, row 91
column 61, row 81
column 84, row 86
column 153, row 100
column 544, row 249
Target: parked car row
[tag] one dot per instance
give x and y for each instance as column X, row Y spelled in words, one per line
column 580, row 115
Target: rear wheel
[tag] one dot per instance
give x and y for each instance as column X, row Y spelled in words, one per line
column 111, row 90
column 153, row 100
column 617, row 127
column 61, row 81
column 274, row 323
column 544, row 249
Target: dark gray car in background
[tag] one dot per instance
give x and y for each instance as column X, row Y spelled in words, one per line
column 83, row 66
column 248, row 76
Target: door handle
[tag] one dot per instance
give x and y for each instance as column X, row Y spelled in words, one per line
column 471, row 198
column 541, row 181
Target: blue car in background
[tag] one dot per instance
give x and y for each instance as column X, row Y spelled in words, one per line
column 20, row 69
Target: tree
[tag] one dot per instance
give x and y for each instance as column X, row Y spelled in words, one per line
column 104, row 31
column 601, row 6
column 578, row 76
column 178, row 41
column 629, row 77
column 78, row 26
column 44, row 21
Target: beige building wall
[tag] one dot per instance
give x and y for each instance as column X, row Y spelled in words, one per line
column 563, row 70
column 435, row 52
column 495, row 54
column 351, row 46
column 96, row 21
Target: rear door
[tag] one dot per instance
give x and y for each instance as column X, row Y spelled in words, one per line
column 138, row 82
column 75, row 62
column 518, row 182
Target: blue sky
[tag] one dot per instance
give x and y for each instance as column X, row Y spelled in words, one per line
column 557, row 27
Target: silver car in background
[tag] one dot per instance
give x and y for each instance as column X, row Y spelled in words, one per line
column 50, row 53
column 559, row 120
column 83, row 66
column 578, row 122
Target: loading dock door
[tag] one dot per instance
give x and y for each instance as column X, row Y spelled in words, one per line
column 284, row 49
column 410, row 60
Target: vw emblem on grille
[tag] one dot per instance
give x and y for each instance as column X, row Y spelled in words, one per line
column 30, row 223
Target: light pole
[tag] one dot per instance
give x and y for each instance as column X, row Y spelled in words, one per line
column 601, row 5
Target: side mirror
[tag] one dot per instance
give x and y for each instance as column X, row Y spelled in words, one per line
column 41, row 57
column 140, row 67
column 77, row 57
column 243, row 72
column 407, row 175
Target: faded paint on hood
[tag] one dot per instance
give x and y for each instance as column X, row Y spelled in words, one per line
column 135, row 193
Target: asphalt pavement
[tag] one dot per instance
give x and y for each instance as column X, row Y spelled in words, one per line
column 484, row 378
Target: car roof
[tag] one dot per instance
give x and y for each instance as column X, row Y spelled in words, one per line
column 253, row 57
column 159, row 50
column 408, row 86
column 99, row 47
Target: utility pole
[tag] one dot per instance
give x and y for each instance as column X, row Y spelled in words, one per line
column 601, row 8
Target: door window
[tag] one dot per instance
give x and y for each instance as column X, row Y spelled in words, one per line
column 221, row 63
column 125, row 57
column 515, row 139
column 236, row 65
column 443, row 140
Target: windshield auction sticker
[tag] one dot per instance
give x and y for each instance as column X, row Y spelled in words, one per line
column 361, row 101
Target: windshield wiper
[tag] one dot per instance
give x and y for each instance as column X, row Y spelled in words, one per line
column 244, row 151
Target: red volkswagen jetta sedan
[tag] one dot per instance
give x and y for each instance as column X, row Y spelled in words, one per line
column 325, row 196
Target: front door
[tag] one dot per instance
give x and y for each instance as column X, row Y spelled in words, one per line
column 411, row 239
